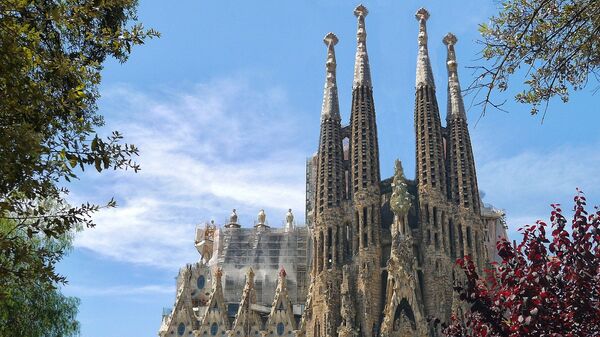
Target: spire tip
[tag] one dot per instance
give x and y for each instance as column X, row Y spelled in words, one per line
column 422, row 14
column 450, row 39
column 361, row 10
column 330, row 39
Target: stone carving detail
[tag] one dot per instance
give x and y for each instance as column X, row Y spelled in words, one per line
column 261, row 220
column 233, row 220
column 289, row 220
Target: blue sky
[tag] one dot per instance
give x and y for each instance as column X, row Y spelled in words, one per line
column 225, row 110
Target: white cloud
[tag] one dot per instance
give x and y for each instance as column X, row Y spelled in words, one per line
column 214, row 147
column 527, row 183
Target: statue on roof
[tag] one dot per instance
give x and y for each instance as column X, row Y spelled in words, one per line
column 233, row 220
column 289, row 219
column 262, row 217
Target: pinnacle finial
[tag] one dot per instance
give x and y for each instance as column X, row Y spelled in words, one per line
column 456, row 108
column 450, row 40
column 282, row 272
column 330, row 39
column 330, row 106
column 361, row 10
column 250, row 273
column 424, row 73
column 362, row 71
column 422, row 14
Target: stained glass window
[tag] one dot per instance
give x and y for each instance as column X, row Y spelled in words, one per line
column 280, row 329
column 181, row 329
column 214, row 328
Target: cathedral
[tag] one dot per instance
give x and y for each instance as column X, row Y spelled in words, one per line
column 376, row 257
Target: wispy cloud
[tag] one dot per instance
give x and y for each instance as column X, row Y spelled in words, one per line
column 527, row 183
column 204, row 151
column 88, row 291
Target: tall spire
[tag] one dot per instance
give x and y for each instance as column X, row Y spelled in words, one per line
column 365, row 182
column 431, row 167
column 362, row 70
column 424, row 73
column 462, row 176
column 456, row 107
column 330, row 170
column 330, row 108
column 328, row 213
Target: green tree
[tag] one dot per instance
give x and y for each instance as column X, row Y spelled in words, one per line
column 51, row 56
column 32, row 308
column 553, row 44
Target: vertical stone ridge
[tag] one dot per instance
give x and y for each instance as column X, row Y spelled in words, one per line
column 463, row 189
column 362, row 70
column 430, row 170
column 366, row 193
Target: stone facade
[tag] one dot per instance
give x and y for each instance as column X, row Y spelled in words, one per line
column 384, row 253
column 377, row 256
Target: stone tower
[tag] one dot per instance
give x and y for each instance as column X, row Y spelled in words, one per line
column 431, row 182
column 366, row 193
column 328, row 236
column 430, row 169
column 462, row 179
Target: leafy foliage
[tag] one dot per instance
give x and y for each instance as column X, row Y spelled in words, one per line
column 545, row 286
column 51, row 55
column 555, row 44
column 30, row 308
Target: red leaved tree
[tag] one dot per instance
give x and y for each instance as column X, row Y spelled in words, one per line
column 545, row 286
